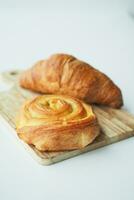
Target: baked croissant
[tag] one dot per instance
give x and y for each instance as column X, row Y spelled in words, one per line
column 65, row 74
column 56, row 122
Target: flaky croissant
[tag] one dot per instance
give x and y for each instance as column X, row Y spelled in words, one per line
column 56, row 122
column 65, row 74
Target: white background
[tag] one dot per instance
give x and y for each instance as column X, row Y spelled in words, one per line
column 99, row 32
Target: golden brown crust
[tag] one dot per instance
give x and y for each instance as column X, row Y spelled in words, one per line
column 57, row 122
column 64, row 74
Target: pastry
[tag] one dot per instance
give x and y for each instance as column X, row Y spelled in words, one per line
column 57, row 122
column 65, row 74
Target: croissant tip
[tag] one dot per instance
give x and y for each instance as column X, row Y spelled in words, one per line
column 22, row 79
column 117, row 105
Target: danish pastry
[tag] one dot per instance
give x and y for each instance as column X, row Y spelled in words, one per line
column 56, row 122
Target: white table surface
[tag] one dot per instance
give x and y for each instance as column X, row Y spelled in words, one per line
column 99, row 32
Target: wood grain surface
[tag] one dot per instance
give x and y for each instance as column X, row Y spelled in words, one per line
column 115, row 124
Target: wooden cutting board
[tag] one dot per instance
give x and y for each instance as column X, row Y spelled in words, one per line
column 115, row 124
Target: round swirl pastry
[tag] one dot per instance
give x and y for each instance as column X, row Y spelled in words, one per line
column 56, row 122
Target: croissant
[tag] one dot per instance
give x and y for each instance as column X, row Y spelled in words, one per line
column 65, row 74
column 56, row 122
